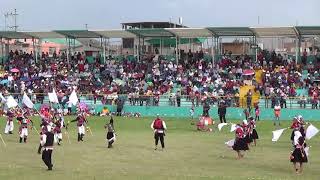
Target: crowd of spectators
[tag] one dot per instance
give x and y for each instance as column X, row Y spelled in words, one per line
column 143, row 82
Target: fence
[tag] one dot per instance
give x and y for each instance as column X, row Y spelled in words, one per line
column 178, row 101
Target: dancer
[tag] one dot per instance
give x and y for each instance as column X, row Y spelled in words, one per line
column 57, row 132
column 253, row 134
column 111, row 136
column 298, row 155
column 159, row 127
column 23, row 129
column 47, row 144
column 240, row 143
column 81, row 121
column 9, row 125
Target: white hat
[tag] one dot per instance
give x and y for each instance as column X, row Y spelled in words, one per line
column 245, row 122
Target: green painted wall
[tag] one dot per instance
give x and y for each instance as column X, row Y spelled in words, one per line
column 232, row 113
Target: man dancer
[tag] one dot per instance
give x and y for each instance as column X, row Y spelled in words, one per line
column 80, row 124
column 9, row 125
column 111, row 137
column 57, row 132
column 23, row 130
column 158, row 126
column 47, row 144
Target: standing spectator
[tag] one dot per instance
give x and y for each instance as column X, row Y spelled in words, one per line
column 304, row 57
column 206, row 108
column 178, row 96
column 277, row 109
column 249, row 100
column 222, row 110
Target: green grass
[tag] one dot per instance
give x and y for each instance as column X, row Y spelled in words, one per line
column 188, row 155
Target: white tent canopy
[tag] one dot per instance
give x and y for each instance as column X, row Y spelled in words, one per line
column 274, row 31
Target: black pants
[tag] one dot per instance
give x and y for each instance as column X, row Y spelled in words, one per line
column 46, row 157
column 222, row 118
column 158, row 136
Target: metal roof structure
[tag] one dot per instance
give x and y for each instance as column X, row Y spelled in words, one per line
column 14, row 35
column 115, row 33
column 308, row 30
column 274, row 31
column 42, row 35
column 78, row 33
column 190, row 32
column 294, row 31
column 231, row 31
column 155, row 32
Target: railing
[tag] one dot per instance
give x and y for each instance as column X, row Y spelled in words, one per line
column 178, row 101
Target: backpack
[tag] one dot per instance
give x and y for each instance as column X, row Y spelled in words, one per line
column 158, row 124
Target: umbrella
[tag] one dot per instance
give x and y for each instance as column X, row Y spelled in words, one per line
column 14, row 70
column 248, row 72
column 83, row 106
column 44, row 106
column 4, row 81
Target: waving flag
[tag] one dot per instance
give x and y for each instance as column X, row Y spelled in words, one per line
column 11, row 102
column 220, row 126
column 27, row 101
column 276, row 134
column 2, row 98
column 233, row 127
column 311, row 131
column 230, row 143
column 73, row 98
column 53, row 97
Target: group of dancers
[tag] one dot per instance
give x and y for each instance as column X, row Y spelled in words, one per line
column 245, row 134
column 52, row 123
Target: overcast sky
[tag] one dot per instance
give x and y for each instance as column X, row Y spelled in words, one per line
column 39, row 15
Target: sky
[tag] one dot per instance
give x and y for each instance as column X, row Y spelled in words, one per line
column 41, row 15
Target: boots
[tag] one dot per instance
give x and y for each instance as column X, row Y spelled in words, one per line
column 110, row 143
column 39, row 149
column 25, row 140
column 20, row 140
column 79, row 138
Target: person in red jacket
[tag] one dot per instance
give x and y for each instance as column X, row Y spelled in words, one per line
column 240, row 142
column 159, row 127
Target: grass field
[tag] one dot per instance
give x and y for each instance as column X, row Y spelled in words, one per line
column 188, row 155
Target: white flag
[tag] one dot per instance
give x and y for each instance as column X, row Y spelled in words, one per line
column 311, row 131
column 221, row 125
column 53, row 97
column 73, row 98
column 11, row 102
column 230, row 143
column 306, row 150
column 2, row 98
column 233, row 127
column 26, row 101
column 276, row 134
